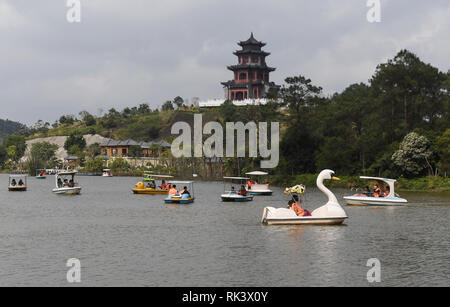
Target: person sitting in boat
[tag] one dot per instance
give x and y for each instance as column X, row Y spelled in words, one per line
column 163, row 185
column 233, row 191
column 387, row 192
column 71, row 183
column 173, row 190
column 185, row 192
column 66, row 183
column 151, row 185
column 21, row 183
column 13, row 182
column 243, row 191
column 295, row 206
column 376, row 191
column 60, row 183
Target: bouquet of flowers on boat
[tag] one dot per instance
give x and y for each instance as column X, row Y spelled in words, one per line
column 298, row 189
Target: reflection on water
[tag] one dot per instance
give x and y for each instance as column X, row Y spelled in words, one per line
column 137, row 240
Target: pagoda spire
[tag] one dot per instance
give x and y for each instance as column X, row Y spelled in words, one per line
column 251, row 74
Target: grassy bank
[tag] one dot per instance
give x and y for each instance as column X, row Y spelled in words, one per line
column 434, row 184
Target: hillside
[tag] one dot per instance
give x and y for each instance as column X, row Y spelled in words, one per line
column 8, row 127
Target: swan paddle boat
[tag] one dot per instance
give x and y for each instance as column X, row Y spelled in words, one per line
column 180, row 198
column 17, row 183
column 236, row 196
column 367, row 198
column 152, row 185
column 329, row 214
column 41, row 174
column 107, row 173
column 258, row 188
column 65, row 184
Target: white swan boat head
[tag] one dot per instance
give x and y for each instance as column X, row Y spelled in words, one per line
column 329, row 214
column 367, row 199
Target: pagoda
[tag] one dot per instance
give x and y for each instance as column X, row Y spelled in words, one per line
column 251, row 74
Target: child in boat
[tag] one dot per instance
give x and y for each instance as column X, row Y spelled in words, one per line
column 387, row 192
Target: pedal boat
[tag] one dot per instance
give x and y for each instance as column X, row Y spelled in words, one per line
column 66, row 189
column 153, row 181
column 366, row 199
column 234, row 196
column 107, row 173
column 41, row 174
column 329, row 214
column 181, row 199
column 259, row 189
column 16, row 187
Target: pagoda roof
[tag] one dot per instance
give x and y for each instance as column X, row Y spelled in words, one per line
column 233, row 84
column 251, row 66
column 251, row 51
column 251, row 41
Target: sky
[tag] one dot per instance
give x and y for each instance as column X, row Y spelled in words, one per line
column 124, row 53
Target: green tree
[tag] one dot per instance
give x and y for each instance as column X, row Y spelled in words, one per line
column 443, row 149
column 120, row 164
column 40, row 156
column 167, row 106
column 94, row 165
column 178, row 101
column 413, row 155
column 76, row 140
column 19, row 143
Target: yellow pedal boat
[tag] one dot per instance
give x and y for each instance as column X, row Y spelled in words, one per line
column 153, row 187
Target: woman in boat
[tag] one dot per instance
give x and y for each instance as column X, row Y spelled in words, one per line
column 173, row 190
column 163, row 185
column 376, row 191
column 21, row 183
column 294, row 206
column 13, row 182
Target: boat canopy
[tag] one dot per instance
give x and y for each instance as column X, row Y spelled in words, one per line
column 161, row 176
column 236, row 178
column 68, row 173
column 390, row 182
column 182, row 182
column 257, row 173
column 17, row 176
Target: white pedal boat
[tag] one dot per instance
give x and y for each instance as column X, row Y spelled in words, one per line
column 234, row 195
column 329, row 214
column 363, row 199
column 259, row 189
column 64, row 186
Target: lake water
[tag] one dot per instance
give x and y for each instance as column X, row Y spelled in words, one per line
column 123, row 239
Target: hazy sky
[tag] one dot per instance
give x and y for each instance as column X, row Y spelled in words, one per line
column 124, row 53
